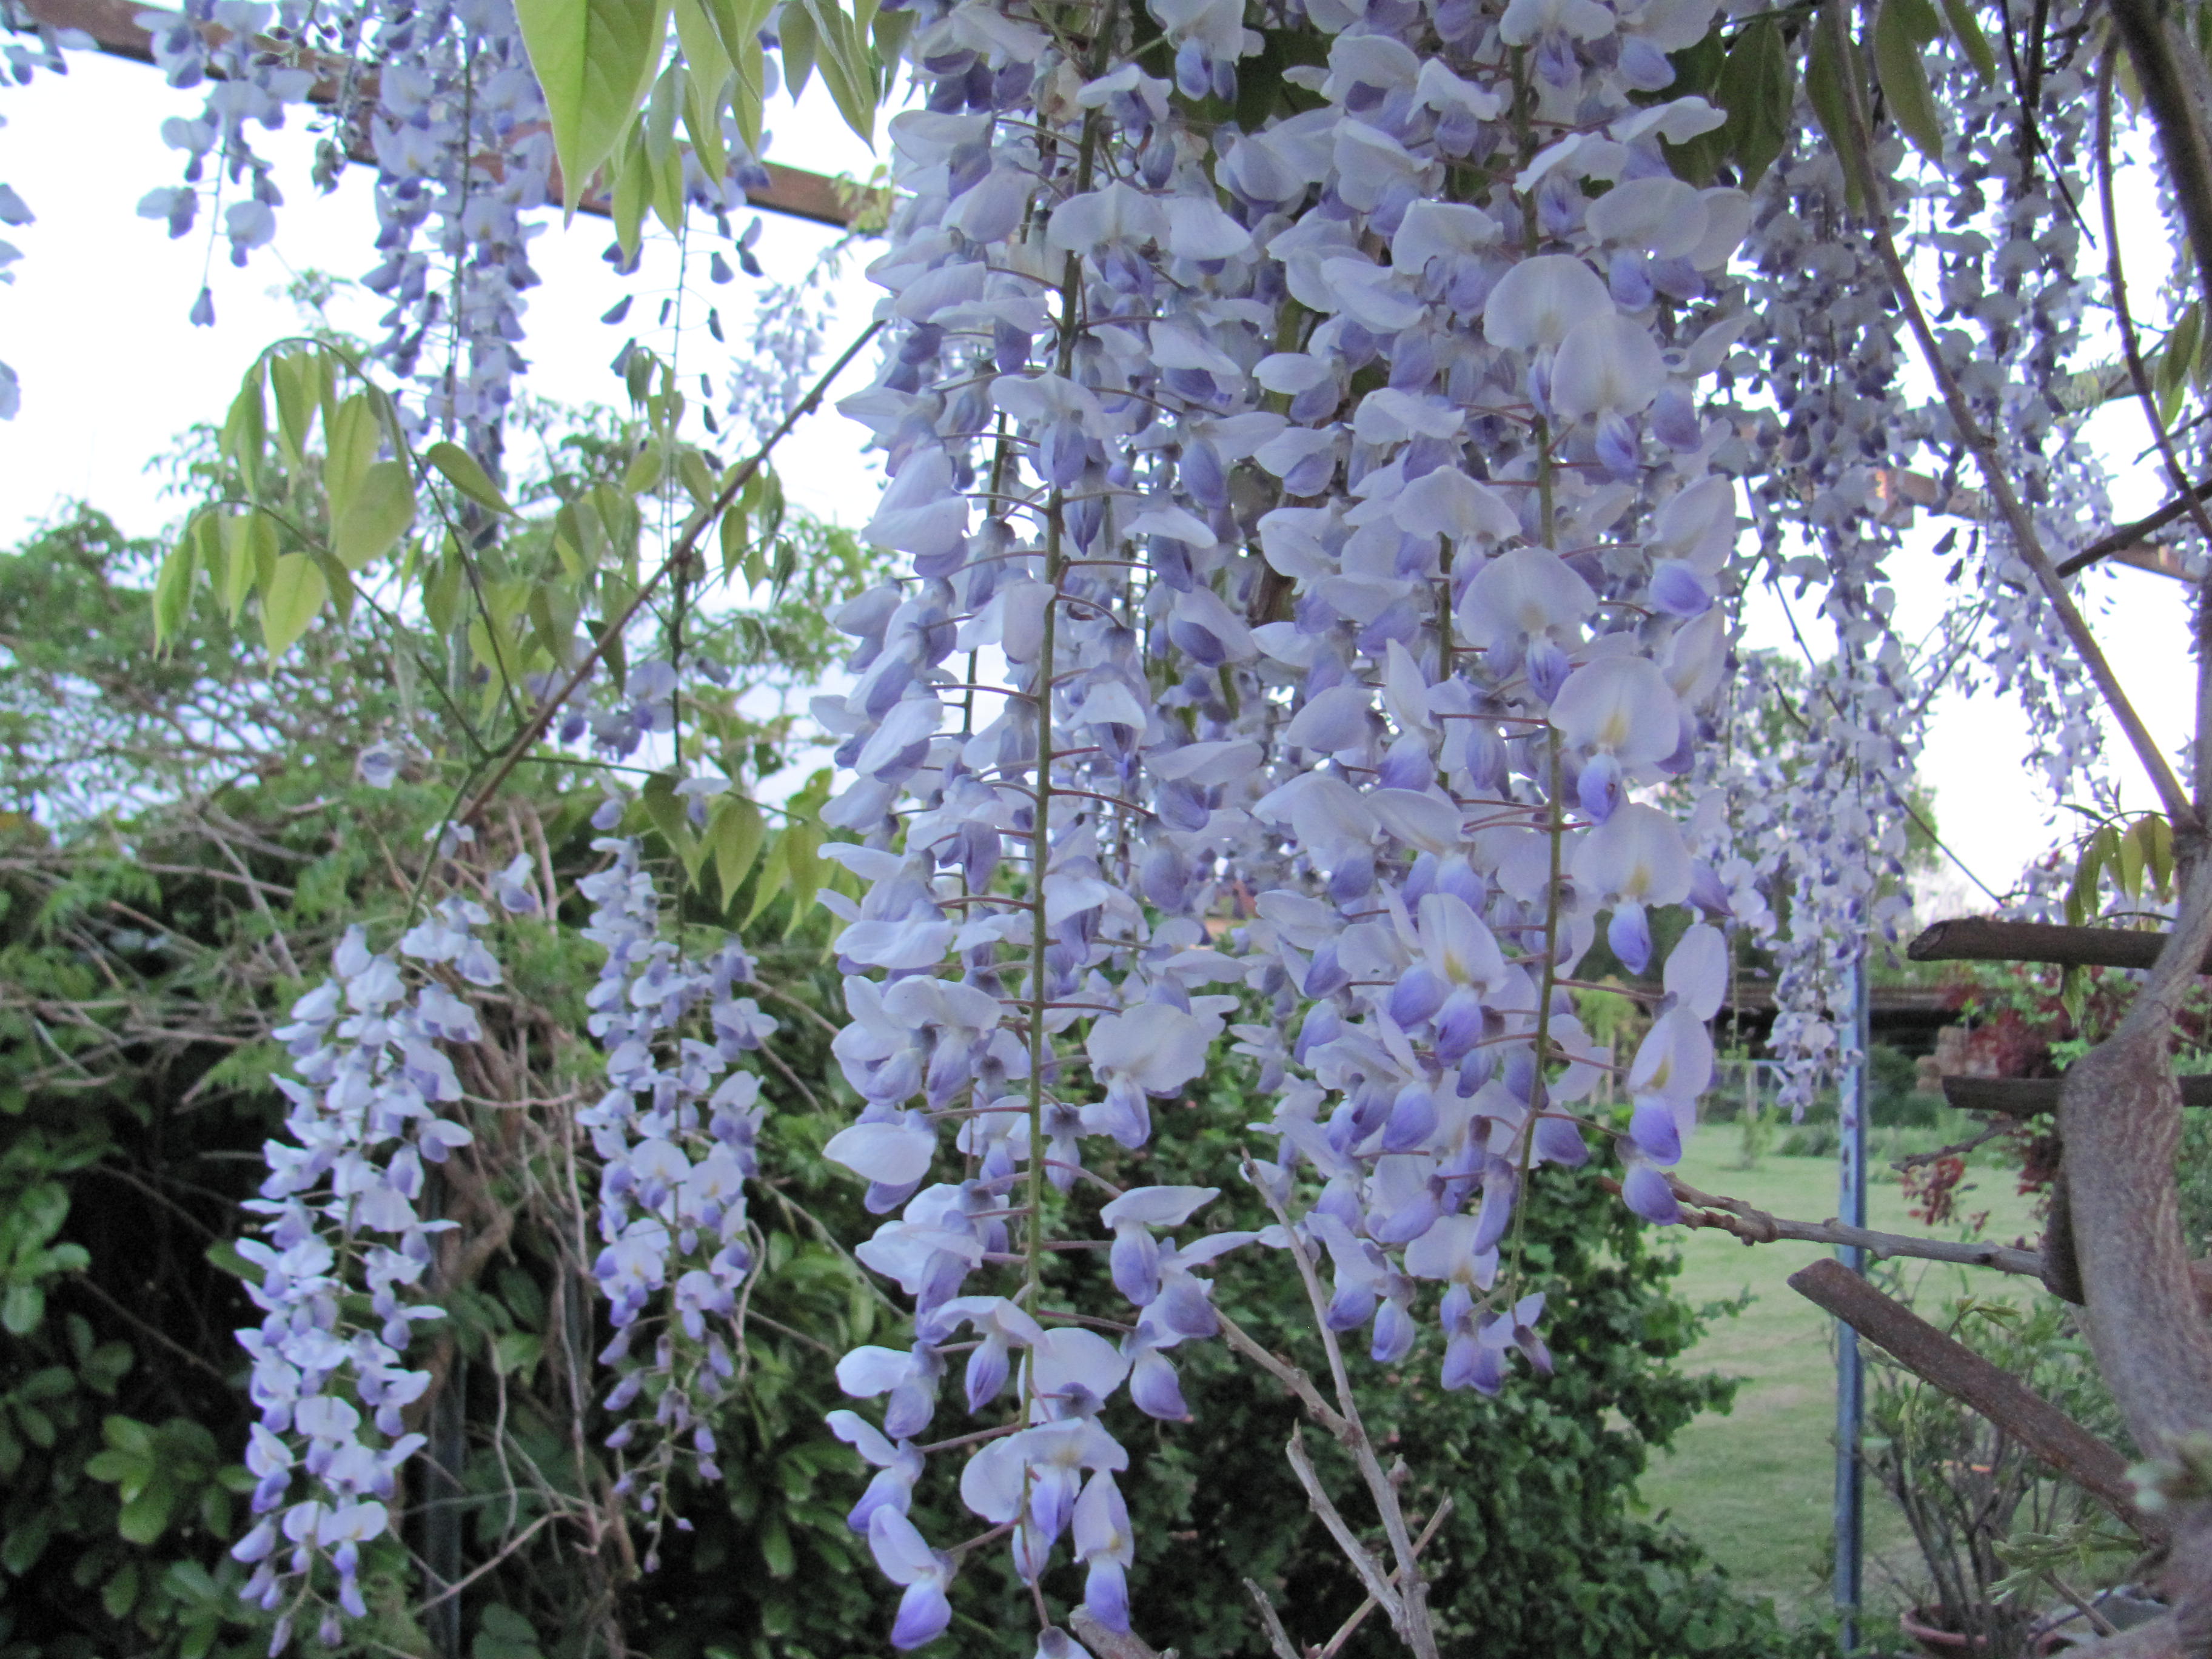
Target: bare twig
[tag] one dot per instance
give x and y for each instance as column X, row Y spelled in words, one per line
column 1289, row 1375
column 2132, row 534
column 1413, row 1624
column 1379, row 1588
column 1112, row 1644
column 1345, row 1630
column 1278, row 1640
column 1755, row 1226
column 462, row 1583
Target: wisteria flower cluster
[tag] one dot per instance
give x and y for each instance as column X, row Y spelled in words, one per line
column 676, row 1133
column 1832, row 422
column 346, row 1219
column 1316, row 557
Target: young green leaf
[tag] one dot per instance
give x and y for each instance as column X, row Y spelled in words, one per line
column 847, row 68
column 1759, row 89
column 381, row 509
column 245, row 429
column 1901, row 28
column 1967, row 29
column 296, row 379
column 296, row 593
column 666, row 810
column 466, row 474
column 595, row 61
column 173, row 585
column 1826, row 64
column 249, row 551
column 795, row 35
column 737, row 832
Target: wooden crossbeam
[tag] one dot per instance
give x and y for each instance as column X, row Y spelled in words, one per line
column 2034, row 1097
column 1996, row 1393
column 1976, row 939
column 2131, row 545
column 114, row 24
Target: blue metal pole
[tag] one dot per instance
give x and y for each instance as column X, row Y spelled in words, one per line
column 1851, row 1397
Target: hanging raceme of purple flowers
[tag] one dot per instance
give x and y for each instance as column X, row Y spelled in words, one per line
column 345, row 1210
column 675, row 1135
column 1314, row 551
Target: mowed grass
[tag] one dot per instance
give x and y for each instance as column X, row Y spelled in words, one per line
column 1756, row 1487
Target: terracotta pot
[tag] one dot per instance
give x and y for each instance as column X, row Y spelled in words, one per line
column 1936, row 1642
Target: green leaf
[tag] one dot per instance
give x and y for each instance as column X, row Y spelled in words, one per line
column 633, row 186
column 441, row 592
column 795, row 34
column 595, row 61
column 732, row 530
column 1967, row 29
column 666, row 809
column 1901, row 28
column 503, row 1633
column 112, row 1467
column 25, row 1544
column 1826, row 64
column 146, row 1516
column 1759, row 89
column 644, row 470
column 378, row 516
column 245, row 429
column 802, row 846
column 128, row 1435
column 2178, row 356
column 737, row 833
column 22, row 1309
column 296, row 378
column 349, row 449
column 222, row 1255
column 774, row 873
column 2158, row 852
column 120, row 1594
column 848, row 67
column 750, row 96
column 517, row 1350
column 173, row 586
column 466, row 475
column 296, row 593
column 776, row 1545
column 249, row 557
column 707, row 82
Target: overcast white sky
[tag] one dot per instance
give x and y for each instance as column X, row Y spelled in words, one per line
column 95, row 327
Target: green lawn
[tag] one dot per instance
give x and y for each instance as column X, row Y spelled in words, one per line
column 1756, row 1486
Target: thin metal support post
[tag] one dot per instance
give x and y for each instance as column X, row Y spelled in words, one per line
column 1851, row 1099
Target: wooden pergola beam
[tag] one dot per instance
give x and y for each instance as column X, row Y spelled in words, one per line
column 114, row 25
column 2034, row 1097
column 1976, row 939
column 2054, row 1437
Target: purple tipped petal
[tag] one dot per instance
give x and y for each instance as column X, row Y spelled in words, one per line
column 986, row 1373
column 1598, row 788
column 1653, row 1127
column 1106, row 1594
column 922, row 1616
column 1558, row 1141
column 1394, row 1334
column 1157, row 1390
column 1629, row 933
column 1417, row 995
column 1646, row 1191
